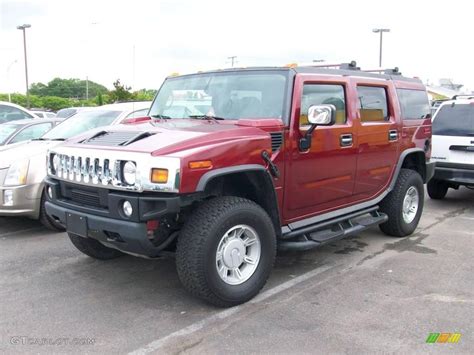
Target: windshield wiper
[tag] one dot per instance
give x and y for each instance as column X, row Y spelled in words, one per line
column 161, row 117
column 206, row 117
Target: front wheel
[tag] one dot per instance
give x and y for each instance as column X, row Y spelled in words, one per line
column 403, row 205
column 226, row 251
column 94, row 248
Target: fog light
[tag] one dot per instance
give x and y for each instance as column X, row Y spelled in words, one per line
column 49, row 191
column 8, row 198
column 127, row 208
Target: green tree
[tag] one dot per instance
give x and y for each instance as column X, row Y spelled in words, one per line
column 121, row 92
column 67, row 88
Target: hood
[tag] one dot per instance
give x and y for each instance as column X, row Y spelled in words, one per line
column 25, row 150
column 166, row 137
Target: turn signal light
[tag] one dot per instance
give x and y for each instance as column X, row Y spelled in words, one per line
column 159, row 176
column 202, row 164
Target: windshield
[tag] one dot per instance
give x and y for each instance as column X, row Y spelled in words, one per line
column 454, row 120
column 82, row 122
column 66, row 112
column 231, row 95
column 6, row 131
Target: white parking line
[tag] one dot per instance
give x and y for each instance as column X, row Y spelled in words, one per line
column 20, row 231
column 157, row 344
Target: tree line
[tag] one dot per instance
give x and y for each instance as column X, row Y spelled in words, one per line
column 61, row 93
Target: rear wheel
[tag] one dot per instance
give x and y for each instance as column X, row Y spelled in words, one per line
column 437, row 189
column 93, row 248
column 226, row 251
column 403, row 205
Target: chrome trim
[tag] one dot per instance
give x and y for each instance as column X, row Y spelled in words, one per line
column 92, row 167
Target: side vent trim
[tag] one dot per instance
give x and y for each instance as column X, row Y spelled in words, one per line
column 277, row 140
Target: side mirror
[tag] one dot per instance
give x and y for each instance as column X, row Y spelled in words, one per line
column 322, row 115
column 318, row 115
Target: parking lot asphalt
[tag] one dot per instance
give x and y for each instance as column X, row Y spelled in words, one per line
column 370, row 293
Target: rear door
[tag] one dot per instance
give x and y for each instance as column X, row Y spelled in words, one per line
column 378, row 132
column 453, row 134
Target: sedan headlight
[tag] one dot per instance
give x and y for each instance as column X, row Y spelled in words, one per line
column 17, row 173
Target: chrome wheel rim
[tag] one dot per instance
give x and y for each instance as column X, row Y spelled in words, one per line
column 238, row 254
column 410, row 204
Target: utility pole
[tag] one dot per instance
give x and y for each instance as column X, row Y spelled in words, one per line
column 381, row 31
column 232, row 60
column 87, row 88
column 23, row 28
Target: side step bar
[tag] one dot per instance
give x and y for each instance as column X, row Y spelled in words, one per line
column 322, row 233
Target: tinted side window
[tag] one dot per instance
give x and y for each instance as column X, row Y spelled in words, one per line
column 454, row 120
column 322, row 94
column 32, row 132
column 414, row 104
column 372, row 103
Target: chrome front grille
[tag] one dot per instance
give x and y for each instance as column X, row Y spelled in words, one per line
column 103, row 168
column 86, row 169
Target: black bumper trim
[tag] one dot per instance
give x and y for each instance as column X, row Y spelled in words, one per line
column 430, row 170
column 145, row 208
column 455, row 176
column 129, row 237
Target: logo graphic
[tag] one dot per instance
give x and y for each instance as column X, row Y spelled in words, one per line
column 443, row 338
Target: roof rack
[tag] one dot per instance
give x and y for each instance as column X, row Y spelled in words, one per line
column 352, row 65
column 387, row 71
column 463, row 96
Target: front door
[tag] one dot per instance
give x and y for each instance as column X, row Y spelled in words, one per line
column 322, row 177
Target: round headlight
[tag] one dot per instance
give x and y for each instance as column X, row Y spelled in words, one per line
column 55, row 163
column 127, row 208
column 130, row 173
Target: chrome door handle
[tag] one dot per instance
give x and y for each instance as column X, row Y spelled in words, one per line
column 393, row 135
column 346, row 140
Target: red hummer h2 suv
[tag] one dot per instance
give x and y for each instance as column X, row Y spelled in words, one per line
column 232, row 165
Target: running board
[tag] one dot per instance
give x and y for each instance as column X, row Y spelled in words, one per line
column 330, row 231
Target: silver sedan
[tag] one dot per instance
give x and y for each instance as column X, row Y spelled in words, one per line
column 23, row 168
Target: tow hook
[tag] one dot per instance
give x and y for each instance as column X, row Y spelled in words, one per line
column 272, row 167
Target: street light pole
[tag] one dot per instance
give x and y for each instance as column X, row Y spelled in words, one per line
column 23, row 28
column 381, row 31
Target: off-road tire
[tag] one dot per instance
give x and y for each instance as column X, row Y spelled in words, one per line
column 437, row 189
column 46, row 220
column 198, row 243
column 392, row 204
column 93, row 248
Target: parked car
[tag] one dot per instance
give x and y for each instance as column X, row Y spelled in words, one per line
column 11, row 112
column 247, row 161
column 44, row 114
column 453, row 147
column 22, row 169
column 68, row 112
column 19, row 131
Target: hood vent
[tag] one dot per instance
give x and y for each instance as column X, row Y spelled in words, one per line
column 277, row 140
column 112, row 139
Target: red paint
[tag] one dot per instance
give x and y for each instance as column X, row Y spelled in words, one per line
column 327, row 177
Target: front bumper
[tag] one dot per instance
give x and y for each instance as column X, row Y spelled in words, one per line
column 455, row 176
column 26, row 200
column 105, row 221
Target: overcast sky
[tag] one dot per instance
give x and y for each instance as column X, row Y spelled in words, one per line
column 100, row 39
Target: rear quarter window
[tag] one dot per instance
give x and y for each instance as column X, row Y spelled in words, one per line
column 454, row 120
column 414, row 104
